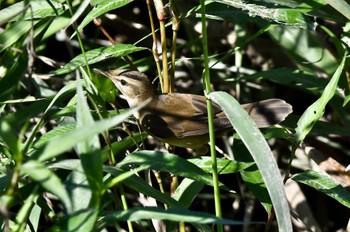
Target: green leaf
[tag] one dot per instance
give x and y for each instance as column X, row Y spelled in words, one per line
column 321, row 127
column 40, row 10
column 55, row 132
column 83, row 220
column 163, row 161
column 252, row 176
column 84, row 118
column 82, row 7
column 317, row 57
column 291, row 78
column 346, row 100
column 90, row 155
column 315, row 111
column 224, row 166
column 10, row 139
column 187, row 190
column 23, row 213
column 68, row 140
column 324, row 184
column 121, row 177
column 139, row 185
column 218, row 11
column 261, row 153
column 66, row 89
column 118, row 148
column 279, row 14
column 9, row 83
column 342, row 6
column 34, row 216
column 183, row 215
column 23, row 100
column 100, row 8
column 56, row 25
column 48, row 180
column 84, row 214
column 96, row 55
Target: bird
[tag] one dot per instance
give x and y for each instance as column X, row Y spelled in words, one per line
column 180, row 119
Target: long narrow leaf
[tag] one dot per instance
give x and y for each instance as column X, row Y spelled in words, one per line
column 65, row 142
column 324, row 184
column 261, row 153
column 183, row 215
column 89, row 151
column 101, row 8
column 163, row 161
column 314, row 112
column 225, row 166
column 40, row 9
column 96, row 55
column 48, row 180
column 279, row 14
column 341, row 6
column 139, row 185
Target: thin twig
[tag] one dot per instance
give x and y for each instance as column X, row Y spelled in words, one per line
column 100, row 26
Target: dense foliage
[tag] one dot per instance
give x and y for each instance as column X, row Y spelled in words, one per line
column 74, row 159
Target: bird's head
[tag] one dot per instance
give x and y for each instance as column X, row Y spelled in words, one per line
column 135, row 86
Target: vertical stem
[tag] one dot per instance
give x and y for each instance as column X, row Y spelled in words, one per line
column 125, row 206
column 161, row 17
column 175, row 28
column 164, row 57
column 173, row 58
column 160, row 184
column 210, row 118
column 155, row 47
column 79, row 40
column 240, row 33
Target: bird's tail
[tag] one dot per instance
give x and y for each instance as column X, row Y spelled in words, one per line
column 268, row 112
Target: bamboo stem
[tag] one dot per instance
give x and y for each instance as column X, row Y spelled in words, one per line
column 155, row 46
column 161, row 17
column 175, row 28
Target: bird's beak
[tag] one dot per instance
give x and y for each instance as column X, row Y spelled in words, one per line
column 101, row 71
column 110, row 73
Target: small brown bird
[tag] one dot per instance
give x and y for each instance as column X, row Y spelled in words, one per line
column 181, row 119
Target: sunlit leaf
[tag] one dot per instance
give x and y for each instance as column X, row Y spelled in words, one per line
column 96, row 55
column 100, row 8
column 163, row 161
column 39, row 8
column 314, row 112
column 183, row 215
column 324, row 184
column 48, row 180
column 261, row 153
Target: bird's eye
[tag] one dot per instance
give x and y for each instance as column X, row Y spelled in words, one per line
column 123, row 82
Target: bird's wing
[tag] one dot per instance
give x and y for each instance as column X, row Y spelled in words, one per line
column 181, row 115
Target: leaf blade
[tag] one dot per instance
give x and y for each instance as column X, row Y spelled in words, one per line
column 261, row 153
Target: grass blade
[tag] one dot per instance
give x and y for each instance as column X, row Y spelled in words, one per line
column 261, row 153
column 314, row 112
column 325, row 184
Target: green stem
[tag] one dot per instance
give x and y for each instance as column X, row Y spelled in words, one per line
column 79, row 39
column 125, row 206
column 210, row 118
